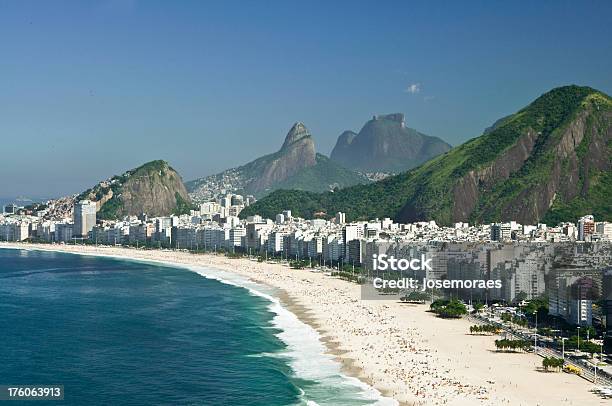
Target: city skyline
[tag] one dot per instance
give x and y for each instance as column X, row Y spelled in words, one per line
column 332, row 203
column 210, row 87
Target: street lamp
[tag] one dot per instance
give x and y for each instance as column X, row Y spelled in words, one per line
column 535, row 336
column 578, row 338
column 563, row 347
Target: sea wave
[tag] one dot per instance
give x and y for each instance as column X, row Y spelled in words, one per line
column 306, row 353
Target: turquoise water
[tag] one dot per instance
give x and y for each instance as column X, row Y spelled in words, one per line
column 132, row 333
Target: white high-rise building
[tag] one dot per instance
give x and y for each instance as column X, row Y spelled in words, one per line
column 84, row 218
column 350, row 232
column 276, row 242
column 210, row 208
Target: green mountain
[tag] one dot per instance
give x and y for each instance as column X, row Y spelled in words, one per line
column 325, row 175
column 295, row 166
column 154, row 188
column 385, row 144
column 549, row 162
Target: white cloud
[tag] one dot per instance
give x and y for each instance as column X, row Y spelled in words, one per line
column 413, row 88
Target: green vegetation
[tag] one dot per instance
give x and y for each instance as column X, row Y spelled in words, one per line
column 415, row 296
column 539, row 305
column 302, row 204
column 148, row 168
column 478, row 306
column 512, row 345
column 552, row 362
column 351, row 274
column 585, row 345
column 297, row 264
column 519, row 321
column 320, row 177
column 596, row 201
column 448, row 309
column 182, row 205
column 484, row 328
column 112, row 209
column 426, row 192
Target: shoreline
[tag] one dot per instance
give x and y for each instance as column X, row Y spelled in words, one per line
column 332, row 347
column 400, row 350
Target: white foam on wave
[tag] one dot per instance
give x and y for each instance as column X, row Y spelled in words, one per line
column 306, row 352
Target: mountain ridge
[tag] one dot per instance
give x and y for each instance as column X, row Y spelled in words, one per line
column 295, row 165
column 550, row 161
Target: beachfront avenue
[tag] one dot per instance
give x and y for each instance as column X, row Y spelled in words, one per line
column 411, row 283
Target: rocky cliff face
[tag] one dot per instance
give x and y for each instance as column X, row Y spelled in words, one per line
column 342, row 150
column 154, row 188
column 153, row 192
column 386, row 144
column 468, row 188
column 297, row 153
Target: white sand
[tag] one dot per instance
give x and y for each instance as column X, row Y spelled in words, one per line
column 400, row 349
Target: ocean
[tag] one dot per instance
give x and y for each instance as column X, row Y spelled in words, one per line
column 122, row 332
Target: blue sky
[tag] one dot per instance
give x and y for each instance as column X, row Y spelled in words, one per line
column 92, row 88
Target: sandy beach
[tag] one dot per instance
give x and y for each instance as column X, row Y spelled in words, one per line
column 401, row 349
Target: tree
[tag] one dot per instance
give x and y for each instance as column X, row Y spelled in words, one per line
column 520, row 296
column 588, row 331
column 449, row 309
column 477, row 306
column 513, row 345
column 539, row 305
column 485, row 328
column 552, row 362
column 415, row 296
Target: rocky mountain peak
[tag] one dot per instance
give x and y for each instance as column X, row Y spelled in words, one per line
column 346, row 138
column 297, row 132
column 154, row 188
column 386, row 144
column 296, row 165
column 396, row 117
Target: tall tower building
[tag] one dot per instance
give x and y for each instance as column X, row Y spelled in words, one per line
column 350, row 232
column 84, row 218
column 586, row 227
